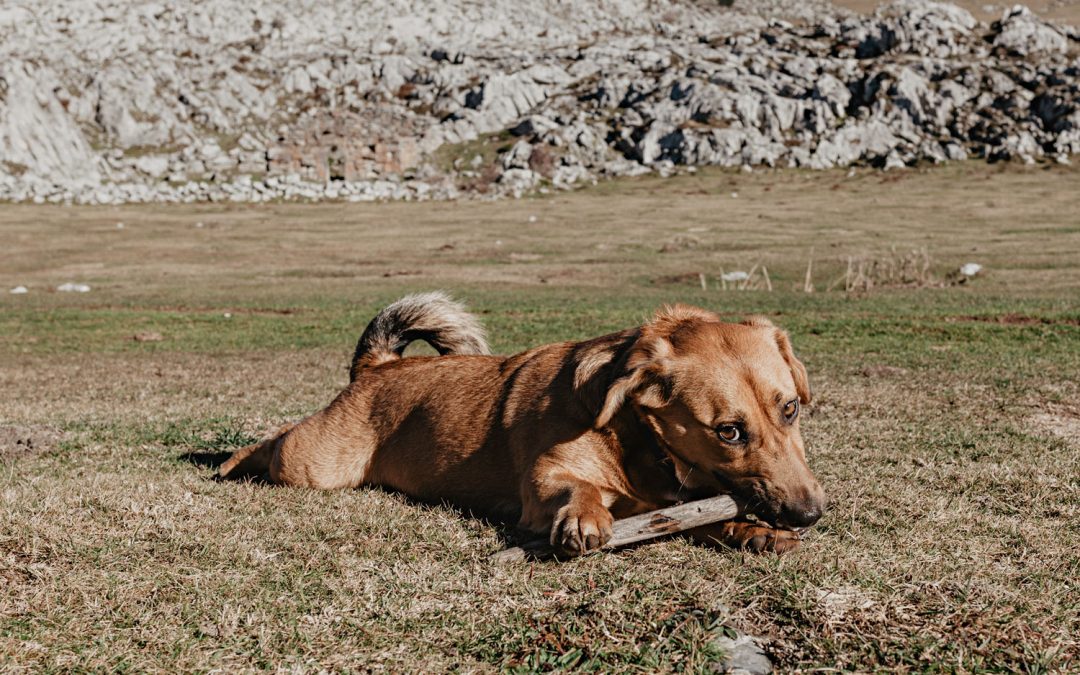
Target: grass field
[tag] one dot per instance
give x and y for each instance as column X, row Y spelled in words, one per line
column 1062, row 11
column 945, row 429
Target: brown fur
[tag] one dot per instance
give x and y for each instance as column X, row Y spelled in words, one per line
column 568, row 436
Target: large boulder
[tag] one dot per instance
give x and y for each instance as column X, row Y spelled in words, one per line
column 1022, row 33
column 38, row 139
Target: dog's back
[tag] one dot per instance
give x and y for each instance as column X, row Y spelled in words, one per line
column 432, row 317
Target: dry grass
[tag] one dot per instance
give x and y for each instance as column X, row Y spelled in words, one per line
column 944, row 429
column 909, row 269
column 1064, row 11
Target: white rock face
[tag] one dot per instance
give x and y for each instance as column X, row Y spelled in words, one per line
column 1022, row 33
column 164, row 100
column 38, row 138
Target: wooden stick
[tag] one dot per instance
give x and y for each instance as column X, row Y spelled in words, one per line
column 668, row 520
column 749, row 278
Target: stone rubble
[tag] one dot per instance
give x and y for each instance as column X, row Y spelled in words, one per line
column 70, row 287
column 113, row 101
column 743, row 656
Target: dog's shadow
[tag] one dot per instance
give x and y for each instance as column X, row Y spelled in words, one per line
column 206, row 460
column 505, row 529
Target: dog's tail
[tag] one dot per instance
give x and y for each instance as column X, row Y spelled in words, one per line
column 432, row 317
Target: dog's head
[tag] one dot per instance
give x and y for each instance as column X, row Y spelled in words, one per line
column 723, row 401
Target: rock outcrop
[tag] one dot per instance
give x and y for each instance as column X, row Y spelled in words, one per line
column 142, row 100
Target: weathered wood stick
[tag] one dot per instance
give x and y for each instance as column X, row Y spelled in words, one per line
column 668, row 520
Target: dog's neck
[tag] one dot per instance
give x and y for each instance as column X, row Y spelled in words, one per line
column 649, row 469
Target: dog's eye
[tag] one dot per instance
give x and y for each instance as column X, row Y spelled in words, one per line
column 791, row 409
column 729, row 433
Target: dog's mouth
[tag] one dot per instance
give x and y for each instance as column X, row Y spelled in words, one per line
column 775, row 523
column 753, row 498
column 754, row 503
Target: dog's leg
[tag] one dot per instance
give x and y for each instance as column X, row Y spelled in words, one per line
column 573, row 510
column 253, row 461
column 583, row 524
column 747, row 536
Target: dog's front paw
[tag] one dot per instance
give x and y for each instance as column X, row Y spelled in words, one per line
column 747, row 536
column 759, row 538
column 578, row 530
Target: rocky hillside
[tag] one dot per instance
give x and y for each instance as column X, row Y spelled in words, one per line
column 105, row 101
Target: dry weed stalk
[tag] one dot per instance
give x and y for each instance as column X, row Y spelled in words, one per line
column 892, row 270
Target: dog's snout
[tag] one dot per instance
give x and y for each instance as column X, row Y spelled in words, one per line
column 803, row 515
column 806, row 511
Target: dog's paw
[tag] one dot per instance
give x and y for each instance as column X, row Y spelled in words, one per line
column 759, row 538
column 578, row 530
column 747, row 536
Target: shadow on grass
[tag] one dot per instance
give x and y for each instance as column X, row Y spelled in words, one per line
column 205, row 460
column 504, row 526
column 209, row 450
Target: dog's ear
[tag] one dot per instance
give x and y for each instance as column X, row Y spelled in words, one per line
column 596, row 364
column 646, row 379
column 798, row 370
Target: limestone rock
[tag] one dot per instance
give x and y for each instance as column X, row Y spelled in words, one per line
column 140, row 100
column 38, row 139
column 743, row 656
column 1021, row 32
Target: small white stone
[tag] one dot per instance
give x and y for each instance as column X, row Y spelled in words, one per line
column 970, row 269
column 227, row 315
column 18, row 290
column 73, row 288
column 119, row 226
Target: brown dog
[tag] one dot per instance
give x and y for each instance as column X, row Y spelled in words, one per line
column 568, row 436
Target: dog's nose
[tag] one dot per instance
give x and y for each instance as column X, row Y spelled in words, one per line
column 801, row 515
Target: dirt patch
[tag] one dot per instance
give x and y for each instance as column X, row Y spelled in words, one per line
column 877, row 371
column 836, row 604
column 1066, row 11
column 679, row 279
column 1015, row 320
column 16, row 441
column 1060, row 422
column 681, row 242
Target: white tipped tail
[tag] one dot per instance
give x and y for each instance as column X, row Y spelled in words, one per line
column 433, row 317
